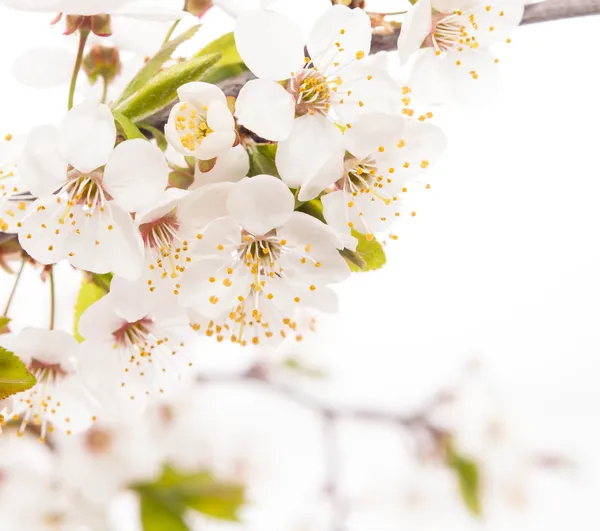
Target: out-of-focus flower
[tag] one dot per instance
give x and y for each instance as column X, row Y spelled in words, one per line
column 59, row 399
column 107, row 458
column 134, row 348
column 450, row 42
column 86, row 187
column 201, row 125
column 260, row 262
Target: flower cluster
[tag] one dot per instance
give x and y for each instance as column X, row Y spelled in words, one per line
column 240, row 213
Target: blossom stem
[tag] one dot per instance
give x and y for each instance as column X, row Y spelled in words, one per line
column 14, row 288
column 171, row 31
column 104, row 90
column 83, row 36
column 52, row 298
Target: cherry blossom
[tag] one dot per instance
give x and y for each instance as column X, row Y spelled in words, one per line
column 86, row 188
column 450, row 46
column 60, row 398
column 260, row 262
column 201, row 125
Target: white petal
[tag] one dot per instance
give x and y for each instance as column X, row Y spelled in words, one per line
column 219, row 239
column 416, row 25
column 204, row 206
column 219, row 117
column 351, row 28
column 86, row 136
column 100, row 321
column 204, row 290
column 136, row 174
column 332, row 170
column 38, row 234
column 497, row 23
column 266, row 108
column 374, row 133
column 214, row 145
column 422, row 142
column 131, row 300
column 260, row 203
column 314, row 140
column 448, row 6
column 335, row 212
column 43, row 67
column 270, row 44
column 168, row 202
column 201, row 94
column 41, row 167
column 429, row 78
column 232, row 166
column 150, row 10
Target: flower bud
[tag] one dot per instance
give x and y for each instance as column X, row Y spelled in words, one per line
column 97, row 24
column 103, row 62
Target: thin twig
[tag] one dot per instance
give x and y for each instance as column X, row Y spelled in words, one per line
column 52, row 299
column 14, row 288
column 83, row 36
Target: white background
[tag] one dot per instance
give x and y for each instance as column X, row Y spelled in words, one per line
column 501, row 265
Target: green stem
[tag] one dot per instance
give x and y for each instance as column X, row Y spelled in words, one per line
column 14, row 289
column 52, row 299
column 171, row 31
column 104, row 90
column 83, row 36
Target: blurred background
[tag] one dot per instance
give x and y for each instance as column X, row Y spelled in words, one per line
column 458, row 387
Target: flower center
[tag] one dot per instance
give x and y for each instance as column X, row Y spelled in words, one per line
column 85, row 189
column 98, row 442
column 46, row 372
column 133, row 334
column 312, row 91
column 360, row 176
column 169, row 252
column 450, row 32
column 260, row 255
column 191, row 125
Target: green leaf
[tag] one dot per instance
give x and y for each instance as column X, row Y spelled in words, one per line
column 89, row 293
column 199, row 491
column 262, row 160
column 369, row 254
column 14, row 376
column 467, row 472
column 157, row 516
column 3, row 323
column 154, row 65
column 126, row 127
column 162, row 89
column 230, row 64
column 159, row 136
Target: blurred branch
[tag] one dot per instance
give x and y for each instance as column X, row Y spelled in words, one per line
column 418, row 423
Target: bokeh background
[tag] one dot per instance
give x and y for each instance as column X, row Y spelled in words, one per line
column 485, row 317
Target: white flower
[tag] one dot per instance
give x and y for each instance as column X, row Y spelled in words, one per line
column 86, row 187
column 107, row 458
column 335, row 81
column 168, row 230
column 260, row 262
column 13, row 196
column 383, row 152
column 59, row 399
column 201, row 125
column 450, row 41
column 134, row 347
column 142, row 9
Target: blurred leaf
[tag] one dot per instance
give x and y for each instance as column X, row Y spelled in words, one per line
column 102, row 281
column 262, row 160
column 126, row 127
column 3, row 323
column 162, row 89
column 14, row 376
column 369, row 254
column 467, row 472
column 154, row 65
column 296, row 365
column 158, row 135
column 157, row 516
column 91, row 291
column 230, row 64
column 200, row 492
column 313, row 208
